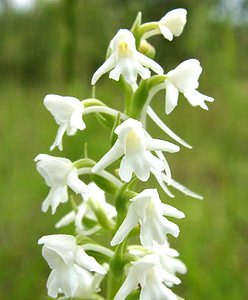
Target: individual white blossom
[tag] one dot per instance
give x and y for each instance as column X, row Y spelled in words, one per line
column 125, row 60
column 67, row 112
column 152, row 279
column 88, row 284
column 172, row 24
column 184, row 79
column 135, row 145
column 58, row 173
column 68, row 262
column 168, row 257
column 148, row 211
column 95, row 194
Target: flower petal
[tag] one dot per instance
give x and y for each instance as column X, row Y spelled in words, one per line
column 107, row 66
column 126, row 170
column 113, row 154
column 165, row 31
column 149, row 63
column 186, row 75
column 88, row 262
column 76, row 120
column 161, row 145
column 127, row 287
column 127, row 225
column 171, row 211
column 195, row 98
column 55, row 196
column 175, row 21
column 75, row 183
column 66, row 220
column 58, row 139
column 171, row 98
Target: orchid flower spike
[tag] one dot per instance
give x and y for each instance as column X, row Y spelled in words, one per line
column 95, row 194
column 172, row 24
column 148, row 274
column 135, row 145
column 184, row 79
column 69, row 263
column 125, row 60
column 67, row 112
column 147, row 210
column 58, row 173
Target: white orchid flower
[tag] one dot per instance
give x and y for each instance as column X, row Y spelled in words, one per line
column 125, row 60
column 168, row 257
column 135, row 145
column 148, row 274
column 67, row 112
column 147, row 210
column 58, row 173
column 184, row 79
column 95, row 194
column 68, row 262
column 172, row 24
column 88, row 284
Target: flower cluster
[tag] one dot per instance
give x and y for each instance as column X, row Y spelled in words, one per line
column 108, row 211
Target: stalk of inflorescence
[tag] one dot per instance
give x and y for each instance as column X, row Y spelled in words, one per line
column 121, row 230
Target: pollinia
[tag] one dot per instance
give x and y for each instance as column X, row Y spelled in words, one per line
column 121, row 234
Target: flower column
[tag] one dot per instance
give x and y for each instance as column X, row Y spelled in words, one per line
column 79, row 263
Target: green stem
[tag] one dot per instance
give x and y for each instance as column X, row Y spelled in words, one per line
column 113, row 285
column 116, row 271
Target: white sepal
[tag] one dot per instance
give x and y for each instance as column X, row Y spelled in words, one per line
column 172, row 24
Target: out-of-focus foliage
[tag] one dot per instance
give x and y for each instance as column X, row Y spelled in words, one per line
column 55, row 48
column 67, row 39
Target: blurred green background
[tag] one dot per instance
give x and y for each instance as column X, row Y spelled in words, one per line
column 54, row 47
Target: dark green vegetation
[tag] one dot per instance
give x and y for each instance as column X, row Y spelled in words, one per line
column 43, row 52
